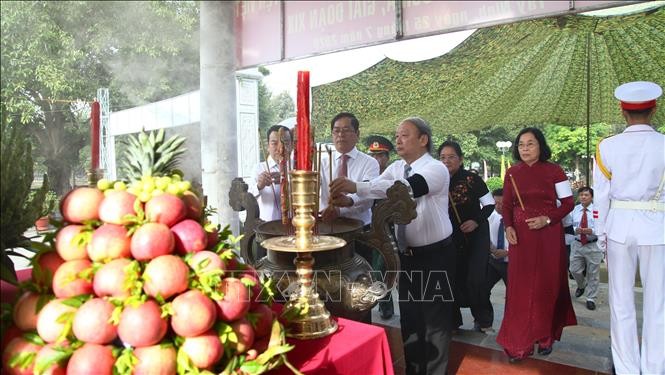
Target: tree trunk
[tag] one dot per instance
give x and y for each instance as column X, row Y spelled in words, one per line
column 59, row 142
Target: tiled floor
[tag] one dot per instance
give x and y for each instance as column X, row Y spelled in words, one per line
column 583, row 349
column 472, row 359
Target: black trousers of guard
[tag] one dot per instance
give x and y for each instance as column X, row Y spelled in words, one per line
column 497, row 270
column 471, row 281
column 426, row 307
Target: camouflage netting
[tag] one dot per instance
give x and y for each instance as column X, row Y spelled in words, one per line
column 526, row 73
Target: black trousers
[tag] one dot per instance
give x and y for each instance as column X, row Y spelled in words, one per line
column 497, row 270
column 425, row 303
column 471, row 281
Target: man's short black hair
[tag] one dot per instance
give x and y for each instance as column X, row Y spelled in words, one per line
column 276, row 128
column 497, row 192
column 585, row 188
column 545, row 151
column 354, row 120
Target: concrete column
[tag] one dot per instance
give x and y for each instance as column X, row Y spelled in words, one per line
column 218, row 107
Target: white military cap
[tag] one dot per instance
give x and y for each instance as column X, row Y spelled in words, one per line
column 638, row 95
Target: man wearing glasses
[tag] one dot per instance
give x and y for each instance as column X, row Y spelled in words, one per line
column 347, row 162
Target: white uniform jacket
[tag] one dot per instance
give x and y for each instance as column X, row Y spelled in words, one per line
column 635, row 162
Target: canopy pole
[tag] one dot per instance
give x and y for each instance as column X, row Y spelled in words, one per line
column 588, row 107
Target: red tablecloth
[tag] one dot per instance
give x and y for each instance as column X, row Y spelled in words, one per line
column 356, row 348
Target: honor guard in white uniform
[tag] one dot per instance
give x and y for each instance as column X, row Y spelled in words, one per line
column 629, row 179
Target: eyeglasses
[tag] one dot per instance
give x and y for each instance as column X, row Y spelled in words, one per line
column 527, row 145
column 451, row 158
column 339, row 131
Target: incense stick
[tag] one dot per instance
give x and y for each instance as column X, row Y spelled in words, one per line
column 272, row 185
column 459, row 219
column 329, row 150
column 519, row 198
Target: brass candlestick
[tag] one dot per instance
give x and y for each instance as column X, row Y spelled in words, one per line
column 314, row 320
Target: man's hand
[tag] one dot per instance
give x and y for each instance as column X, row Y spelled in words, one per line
column 266, row 179
column 500, row 253
column 511, row 235
column 329, row 214
column 341, row 186
column 342, row 201
column 468, row 226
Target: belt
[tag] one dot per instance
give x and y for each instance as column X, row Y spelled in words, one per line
column 588, row 241
column 419, row 250
column 639, row 205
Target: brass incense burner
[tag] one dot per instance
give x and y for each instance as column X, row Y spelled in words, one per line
column 314, row 320
column 348, row 285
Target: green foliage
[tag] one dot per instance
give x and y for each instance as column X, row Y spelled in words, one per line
column 54, row 53
column 520, row 74
column 20, row 208
column 494, row 183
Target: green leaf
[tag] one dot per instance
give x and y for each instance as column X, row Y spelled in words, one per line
column 57, row 356
column 76, row 301
column 34, row 338
column 125, row 362
column 22, row 360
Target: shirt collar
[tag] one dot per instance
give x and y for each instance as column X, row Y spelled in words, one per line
column 422, row 160
column 638, row 128
column 352, row 154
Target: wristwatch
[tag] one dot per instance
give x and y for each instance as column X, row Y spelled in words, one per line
column 548, row 221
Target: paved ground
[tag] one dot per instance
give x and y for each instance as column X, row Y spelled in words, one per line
column 586, row 345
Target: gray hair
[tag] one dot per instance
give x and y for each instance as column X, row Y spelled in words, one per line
column 423, row 128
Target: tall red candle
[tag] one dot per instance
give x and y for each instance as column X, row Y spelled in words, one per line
column 303, row 152
column 94, row 135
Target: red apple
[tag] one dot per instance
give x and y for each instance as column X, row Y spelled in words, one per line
column 67, row 281
column 25, row 311
column 18, row 346
column 193, row 204
column 142, row 325
column 264, row 318
column 47, row 351
column 193, row 313
column 65, row 245
column 81, row 204
column 156, row 359
column 235, row 303
column 166, row 209
column 48, row 327
column 189, row 237
column 204, row 350
column 91, row 359
column 110, row 279
column 109, row 241
column 151, row 240
column 116, row 205
column 92, row 322
column 166, row 275
column 245, row 334
column 45, row 265
column 206, row 261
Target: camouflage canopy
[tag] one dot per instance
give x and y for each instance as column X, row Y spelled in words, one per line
column 527, row 73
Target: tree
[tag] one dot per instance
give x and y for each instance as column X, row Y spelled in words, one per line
column 283, row 106
column 56, row 54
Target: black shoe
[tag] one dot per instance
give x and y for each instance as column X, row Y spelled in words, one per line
column 386, row 310
column 545, row 351
column 590, row 305
column 579, row 292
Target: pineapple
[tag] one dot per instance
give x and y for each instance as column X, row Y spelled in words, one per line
column 151, row 155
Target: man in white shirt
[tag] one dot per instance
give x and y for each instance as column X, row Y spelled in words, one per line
column 629, row 179
column 498, row 262
column 584, row 251
column 267, row 174
column 427, row 254
column 350, row 163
